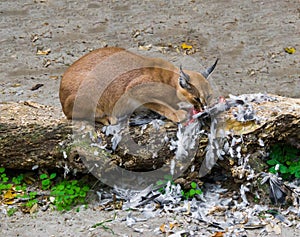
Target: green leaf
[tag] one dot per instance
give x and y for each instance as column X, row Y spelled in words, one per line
column 53, row 175
column 59, row 199
column 85, row 188
column 272, row 170
column 193, row 185
column 3, row 175
column 43, row 176
column 32, row 194
column 46, row 182
column 31, row 202
column 70, row 191
column 77, row 189
column 192, row 193
column 82, row 194
column 66, row 197
column 73, row 196
column 18, row 187
column 283, row 169
column 60, row 187
column 11, row 211
column 18, row 179
column 24, row 196
column 2, row 169
column 61, row 193
column 293, row 169
column 272, row 162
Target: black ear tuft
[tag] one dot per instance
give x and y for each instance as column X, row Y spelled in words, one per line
column 184, row 79
column 209, row 70
column 183, row 74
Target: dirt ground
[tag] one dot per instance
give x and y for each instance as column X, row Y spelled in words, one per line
column 40, row 38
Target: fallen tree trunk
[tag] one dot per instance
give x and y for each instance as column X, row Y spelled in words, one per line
column 34, row 135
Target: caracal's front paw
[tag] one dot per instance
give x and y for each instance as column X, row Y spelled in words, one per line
column 107, row 120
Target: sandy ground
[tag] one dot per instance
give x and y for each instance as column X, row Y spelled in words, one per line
column 79, row 224
column 249, row 37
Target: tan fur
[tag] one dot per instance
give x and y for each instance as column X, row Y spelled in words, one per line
column 106, row 83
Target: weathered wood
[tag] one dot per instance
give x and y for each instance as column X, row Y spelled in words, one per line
column 33, row 135
column 37, row 135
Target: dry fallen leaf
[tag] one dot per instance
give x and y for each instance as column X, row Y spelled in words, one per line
column 290, row 50
column 145, row 47
column 29, row 176
column 9, row 197
column 33, row 209
column 34, row 38
column 186, row 46
column 47, row 63
column 43, row 52
column 53, row 77
column 162, row 228
column 136, row 33
column 218, row 234
column 25, row 209
column 16, row 85
column 188, row 209
column 172, row 225
column 240, row 127
column 31, row 104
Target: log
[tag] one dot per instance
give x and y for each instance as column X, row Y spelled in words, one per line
column 34, row 135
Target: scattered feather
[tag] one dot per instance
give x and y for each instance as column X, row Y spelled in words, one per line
column 277, row 191
column 261, row 142
column 116, row 132
column 243, row 190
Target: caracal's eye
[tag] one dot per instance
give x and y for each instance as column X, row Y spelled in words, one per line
column 197, row 99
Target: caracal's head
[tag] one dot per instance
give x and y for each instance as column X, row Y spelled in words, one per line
column 195, row 88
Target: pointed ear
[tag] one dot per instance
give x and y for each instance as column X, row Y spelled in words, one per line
column 184, row 79
column 209, row 70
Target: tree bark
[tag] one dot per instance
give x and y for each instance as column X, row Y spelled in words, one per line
column 34, row 135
